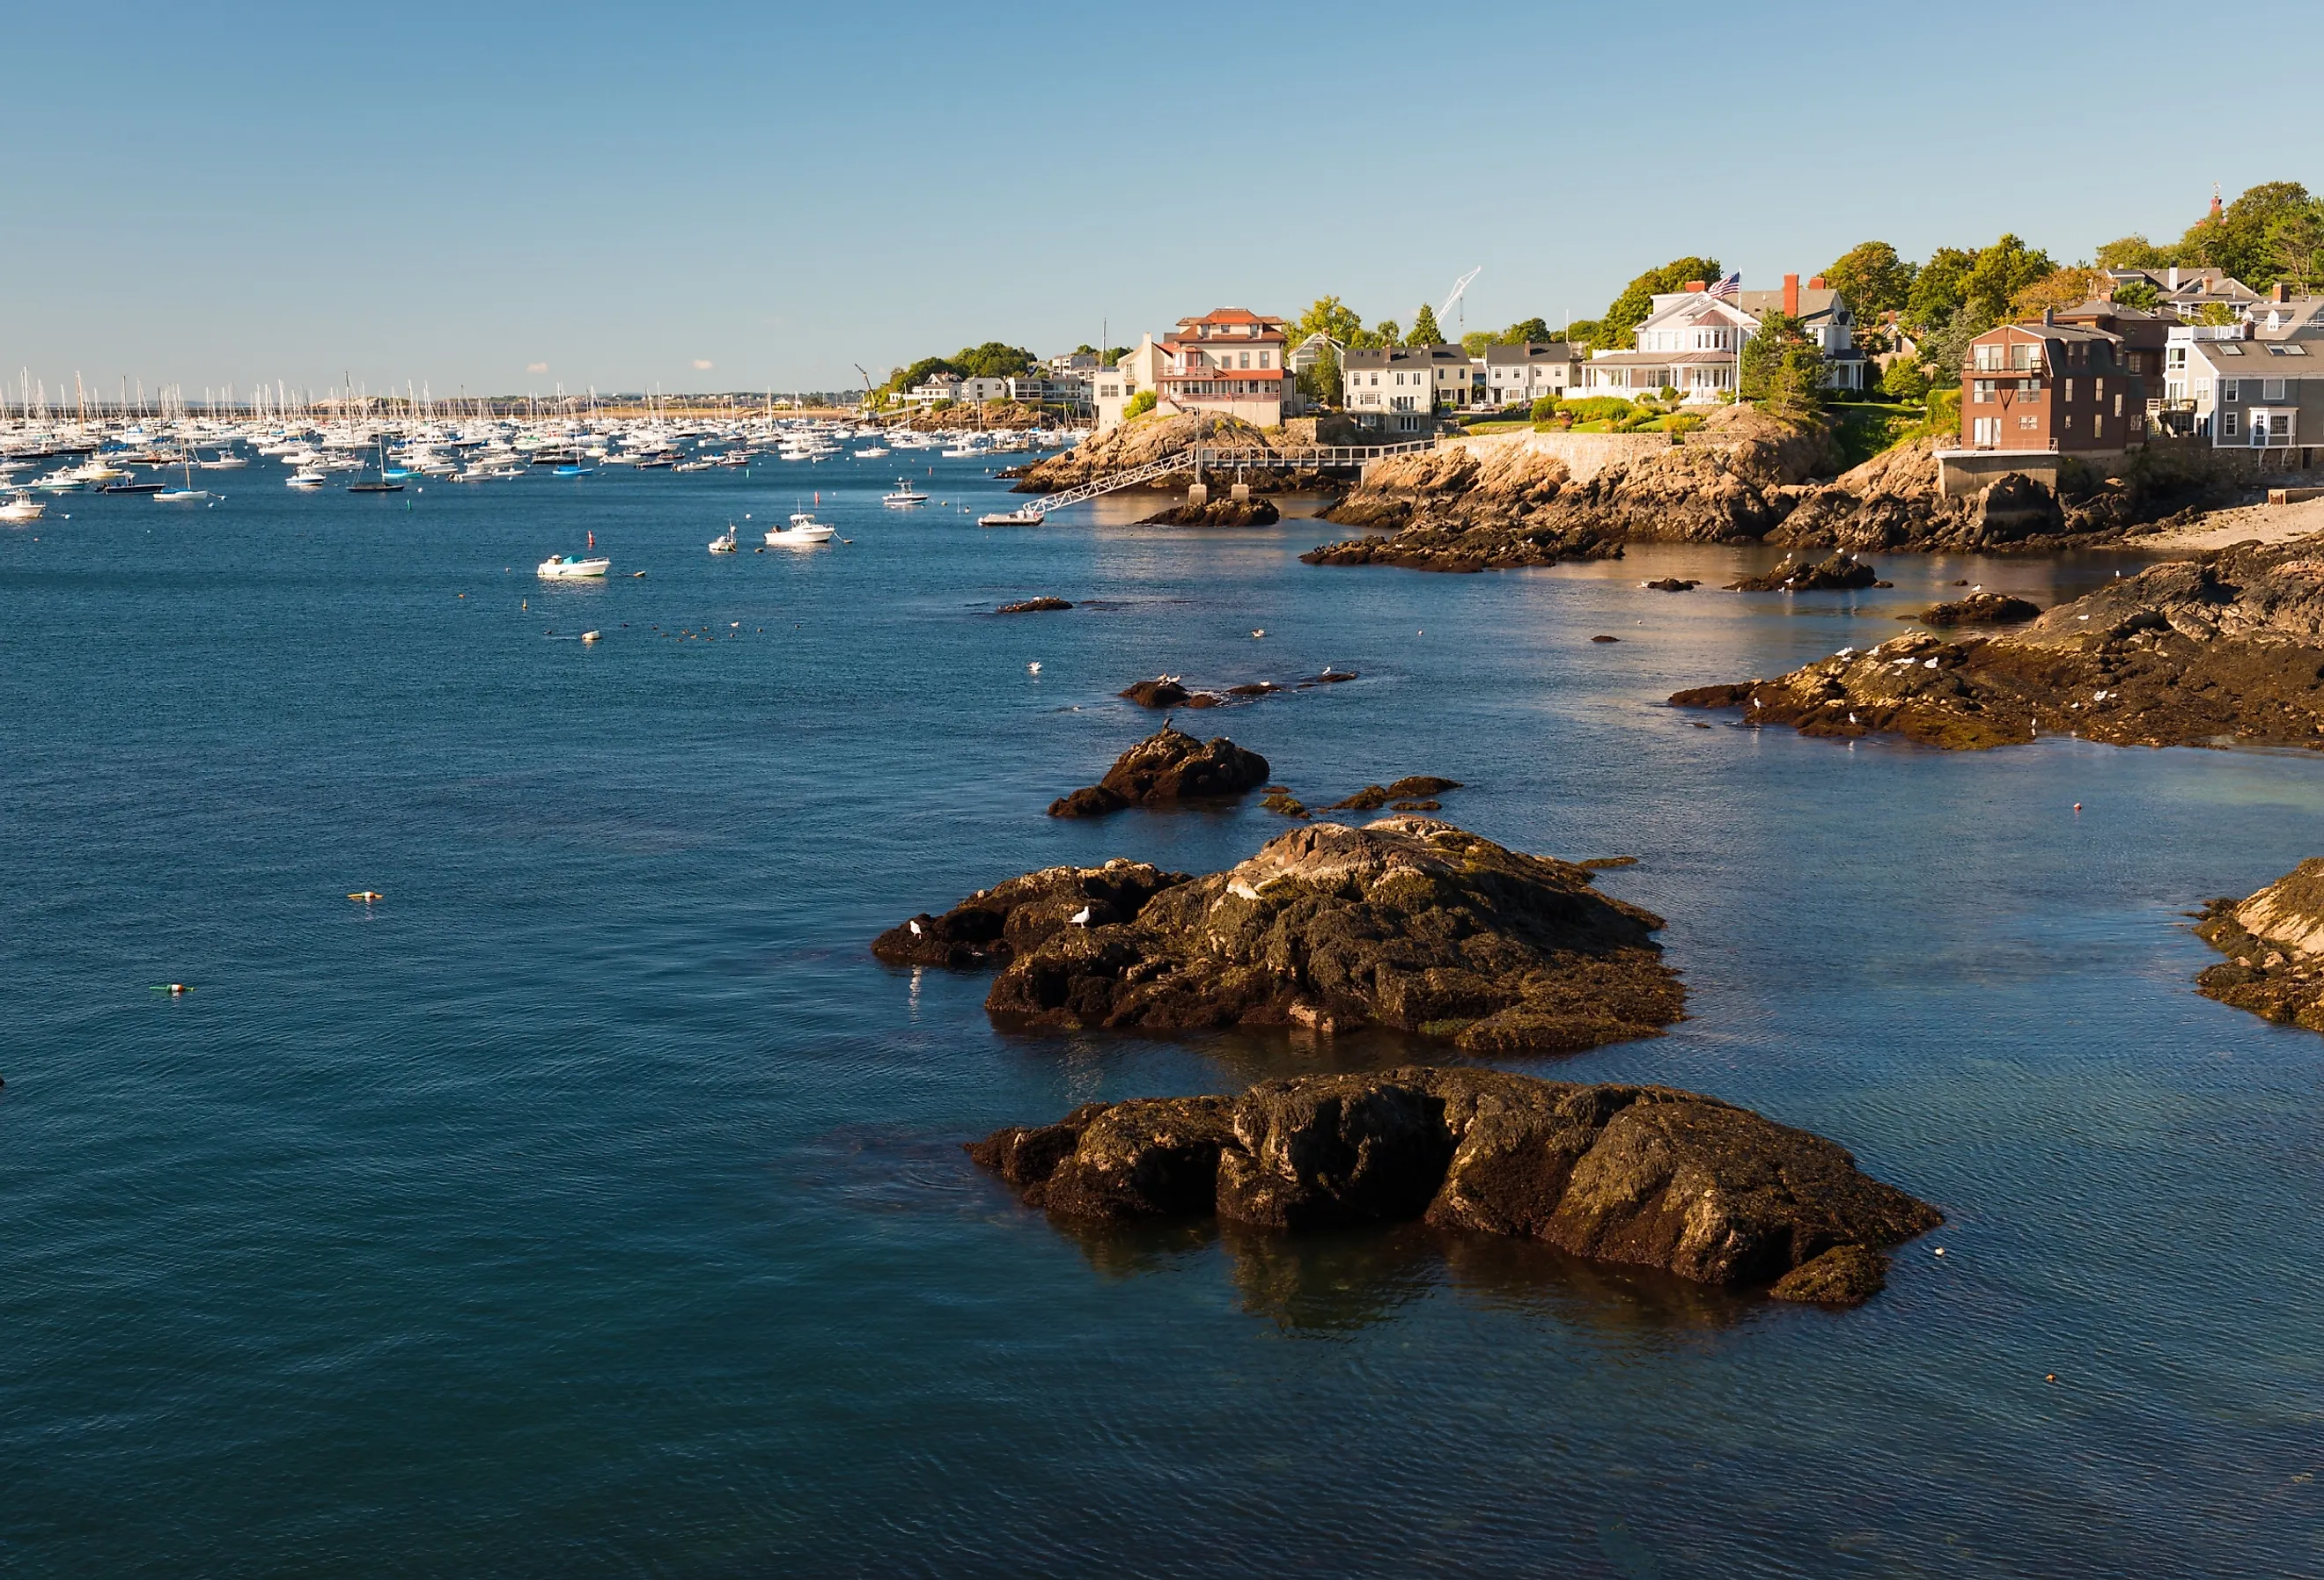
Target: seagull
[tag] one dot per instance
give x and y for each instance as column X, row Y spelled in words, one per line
column 1034, row 668
column 1259, row 632
column 1080, row 917
column 916, row 929
column 365, row 896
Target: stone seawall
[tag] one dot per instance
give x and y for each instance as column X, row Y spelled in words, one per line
column 1585, row 455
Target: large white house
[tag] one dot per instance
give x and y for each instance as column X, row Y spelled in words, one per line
column 1522, row 374
column 1692, row 341
column 1397, row 388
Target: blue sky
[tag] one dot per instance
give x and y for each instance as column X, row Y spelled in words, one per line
column 507, row 196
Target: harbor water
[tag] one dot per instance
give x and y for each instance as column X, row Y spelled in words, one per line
column 592, row 1203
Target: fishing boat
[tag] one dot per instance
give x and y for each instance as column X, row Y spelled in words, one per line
column 904, row 496
column 723, row 544
column 1024, row 515
column 23, row 508
column 803, row 530
column 571, row 568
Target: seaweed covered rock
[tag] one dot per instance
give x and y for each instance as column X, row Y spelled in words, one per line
column 2275, row 945
column 1979, row 609
column 1218, row 513
column 2220, row 650
column 995, row 924
column 1407, row 922
column 1839, row 573
column 1642, row 1175
column 1168, row 765
column 1041, row 606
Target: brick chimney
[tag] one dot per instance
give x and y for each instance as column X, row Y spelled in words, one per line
column 1695, row 285
column 2282, row 290
column 1790, row 296
column 1816, row 282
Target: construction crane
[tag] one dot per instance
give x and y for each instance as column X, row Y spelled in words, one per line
column 869, row 392
column 1459, row 286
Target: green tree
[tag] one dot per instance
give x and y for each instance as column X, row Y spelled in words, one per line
column 1783, row 369
column 1873, row 279
column 1476, row 341
column 1530, row 332
column 2216, row 314
column 992, row 360
column 1329, row 316
column 1424, row 331
column 2133, row 252
column 2140, row 295
column 1937, row 289
column 2059, row 289
column 1587, row 332
column 2238, row 241
column 1619, row 325
column 2295, row 243
column 918, row 374
column 1945, row 346
column 1903, row 380
column 1384, row 333
column 2001, row 270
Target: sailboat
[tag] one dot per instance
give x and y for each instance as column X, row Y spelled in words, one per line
column 189, row 494
column 383, row 486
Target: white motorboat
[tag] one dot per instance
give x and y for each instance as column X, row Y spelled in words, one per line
column 23, row 508
column 872, row 453
column 1024, row 515
column 905, row 494
column 726, row 543
column 304, row 478
column 803, row 530
column 223, row 461
column 571, row 568
column 181, row 496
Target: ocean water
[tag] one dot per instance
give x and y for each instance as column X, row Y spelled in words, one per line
column 593, row 1203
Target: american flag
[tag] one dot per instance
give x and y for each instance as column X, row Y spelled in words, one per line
column 1728, row 289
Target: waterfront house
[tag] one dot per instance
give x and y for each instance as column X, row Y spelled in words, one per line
column 1112, row 389
column 1691, row 340
column 2051, row 388
column 1518, row 375
column 1228, row 361
column 2244, row 390
column 1399, row 389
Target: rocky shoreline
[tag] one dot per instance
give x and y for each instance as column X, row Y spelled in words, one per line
column 1406, row 923
column 2274, row 944
column 2225, row 649
column 1167, row 766
column 1642, row 1175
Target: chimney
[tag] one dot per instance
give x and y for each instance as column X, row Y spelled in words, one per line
column 1816, row 283
column 1790, row 296
column 2049, row 318
column 2282, row 290
column 1695, row 285
column 2175, row 277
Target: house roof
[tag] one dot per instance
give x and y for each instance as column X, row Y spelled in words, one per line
column 2053, row 332
column 1378, row 356
column 1813, row 303
column 2099, row 308
column 1660, row 358
column 1532, row 351
column 1223, row 316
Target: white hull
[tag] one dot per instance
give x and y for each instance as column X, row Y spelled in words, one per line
column 571, row 569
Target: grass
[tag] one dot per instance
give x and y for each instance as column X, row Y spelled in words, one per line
column 1863, row 428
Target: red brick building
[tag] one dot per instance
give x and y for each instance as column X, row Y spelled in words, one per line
column 2052, row 388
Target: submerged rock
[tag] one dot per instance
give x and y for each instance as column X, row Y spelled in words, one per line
column 1840, row 572
column 1643, row 1175
column 993, row 925
column 1406, row 922
column 1162, row 691
column 2275, row 945
column 1218, row 513
column 1168, row 765
column 2220, row 650
column 1979, row 609
column 1670, row 583
column 1033, row 606
column 1373, row 797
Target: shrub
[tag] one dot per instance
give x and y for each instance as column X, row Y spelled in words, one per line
column 1597, row 409
column 1140, row 404
column 1905, row 380
column 1544, row 409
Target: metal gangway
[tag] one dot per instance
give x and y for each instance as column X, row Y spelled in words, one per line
column 1200, row 458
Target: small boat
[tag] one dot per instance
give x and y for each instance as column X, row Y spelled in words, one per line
column 723, row 545
column 223, row 461
column 572, row 471
column 384, row 485
column 304, row 478
column 803, row 530
column 905, row 494
column 180, row 495
column 1024, row 515
column 23, row 507
column 132, row 487
column 872, row 453
column 571, row 568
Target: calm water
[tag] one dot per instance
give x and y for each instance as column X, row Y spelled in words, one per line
column 593, row 1204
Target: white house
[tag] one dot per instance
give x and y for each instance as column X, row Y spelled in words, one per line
column 1521, row 374
column 2243, row 389
column 1691, row 340
column 1113, row 388
column 1397, row 389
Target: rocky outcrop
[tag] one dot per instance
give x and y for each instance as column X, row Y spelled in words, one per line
column 1159, row 434
column 1640, row 1175
column 1373, row 797
column 1979, row 609
column 1042, row 606
column 2221, row 650
column 1839, row 573
column 1670, row 583
column 1408, row 923
column 1461, row 507
column 2275, row 945
column 1168, row 765
column 993, row 925
column 1218, row 513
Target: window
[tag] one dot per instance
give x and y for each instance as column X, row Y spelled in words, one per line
column 2029, row 389
column 1981, row 391
column 2069, row 390
column 2231, row 389
column 2118, row 403
column 2228, row 425
column 2029, row 422
column 1989, row 358
column 2098, row 427
column 1262, row 359
column 2176, row 357
column 1246, row 359
column 2271, row 389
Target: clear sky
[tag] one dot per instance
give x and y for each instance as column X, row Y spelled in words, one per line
column 506, row 196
